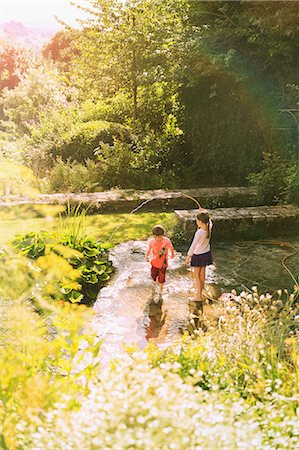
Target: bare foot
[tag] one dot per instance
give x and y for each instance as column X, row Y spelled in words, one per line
column 197, row 299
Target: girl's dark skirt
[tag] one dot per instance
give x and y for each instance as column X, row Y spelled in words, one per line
column 205, row 259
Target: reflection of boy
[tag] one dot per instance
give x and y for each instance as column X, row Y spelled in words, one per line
column 157, row 254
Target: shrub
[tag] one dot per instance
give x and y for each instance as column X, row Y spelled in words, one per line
column 88, row 258
column 139, row 164
column 137, row 406
column 84, row 138
column 71, row 176
column 16, row 179
column 278, row 182
column 40, row 359
column 249, row 351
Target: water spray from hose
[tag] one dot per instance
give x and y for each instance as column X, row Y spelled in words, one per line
column 178, row 194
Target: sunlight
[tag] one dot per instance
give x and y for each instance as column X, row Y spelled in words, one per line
column 40, row 12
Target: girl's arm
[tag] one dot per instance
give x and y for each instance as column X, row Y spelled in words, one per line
column 193, row 245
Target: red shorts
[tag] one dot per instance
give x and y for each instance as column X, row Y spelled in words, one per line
column 159, row 273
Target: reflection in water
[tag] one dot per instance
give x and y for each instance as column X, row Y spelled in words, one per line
column 124, row 312
column 154, row 318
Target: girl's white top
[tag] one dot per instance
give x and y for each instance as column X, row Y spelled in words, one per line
column 201, row 242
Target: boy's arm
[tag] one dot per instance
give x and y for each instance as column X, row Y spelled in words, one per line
column 148, row 253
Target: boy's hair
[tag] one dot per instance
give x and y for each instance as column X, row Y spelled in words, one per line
column 158, row 230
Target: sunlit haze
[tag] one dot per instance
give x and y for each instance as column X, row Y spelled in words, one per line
column 40, row 12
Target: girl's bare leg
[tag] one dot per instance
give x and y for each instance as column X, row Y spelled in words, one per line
column 198, row 282
column 202, row 278
column 199, row 275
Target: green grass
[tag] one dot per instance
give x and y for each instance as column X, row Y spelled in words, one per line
column 100, row 227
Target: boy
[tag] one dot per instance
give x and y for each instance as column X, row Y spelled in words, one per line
column 158, row 249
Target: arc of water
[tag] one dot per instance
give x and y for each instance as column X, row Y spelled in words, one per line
column 144, row 203
column 191, row 198
column 126, row 218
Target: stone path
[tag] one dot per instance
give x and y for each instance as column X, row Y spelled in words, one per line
column 124, row 313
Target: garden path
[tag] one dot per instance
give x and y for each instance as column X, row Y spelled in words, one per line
column 123, row 311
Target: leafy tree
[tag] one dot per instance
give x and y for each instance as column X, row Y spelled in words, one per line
column 241, row 67
column 14, row 62
column 39, row 89
column 134, row 46
column 61, row 48
column 255, row 40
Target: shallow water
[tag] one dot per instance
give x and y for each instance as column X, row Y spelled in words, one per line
column 241, row 265
column 126, row 314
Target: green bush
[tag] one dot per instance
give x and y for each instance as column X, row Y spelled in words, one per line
column 278, row 182
column 84, row 138
column 135, row 164
column 71, row 176
column 226, row 132
column 88, row 258
column 16, row 179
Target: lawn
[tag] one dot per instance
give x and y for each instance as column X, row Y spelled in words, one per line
column 100, row 226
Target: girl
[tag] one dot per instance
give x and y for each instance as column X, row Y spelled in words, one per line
column 199, row 252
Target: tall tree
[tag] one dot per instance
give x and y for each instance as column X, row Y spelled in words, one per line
column 133, row 47
column 253, row 39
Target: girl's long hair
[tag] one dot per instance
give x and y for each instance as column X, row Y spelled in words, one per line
column 205, row 218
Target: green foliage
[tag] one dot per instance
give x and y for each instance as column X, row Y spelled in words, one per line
column 39, row 89
column 278, row 181
column 61, row 48
column 88, row 258
column 67, row 134
column 266, row 32
column 188, row 91
column 237, row 382
column 141, row 162
column 14, row 61
column 178, row 237
column 233, row 385
column 112, row 109
column 31, row 244
column 16, row 179
column 131, row 46
column 82, row 141
column 226, row 132
column 71, row 176
column 40, row 358
column 235, row 86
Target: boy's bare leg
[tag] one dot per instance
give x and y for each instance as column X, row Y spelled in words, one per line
column 161, row 286
column 154, row 290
